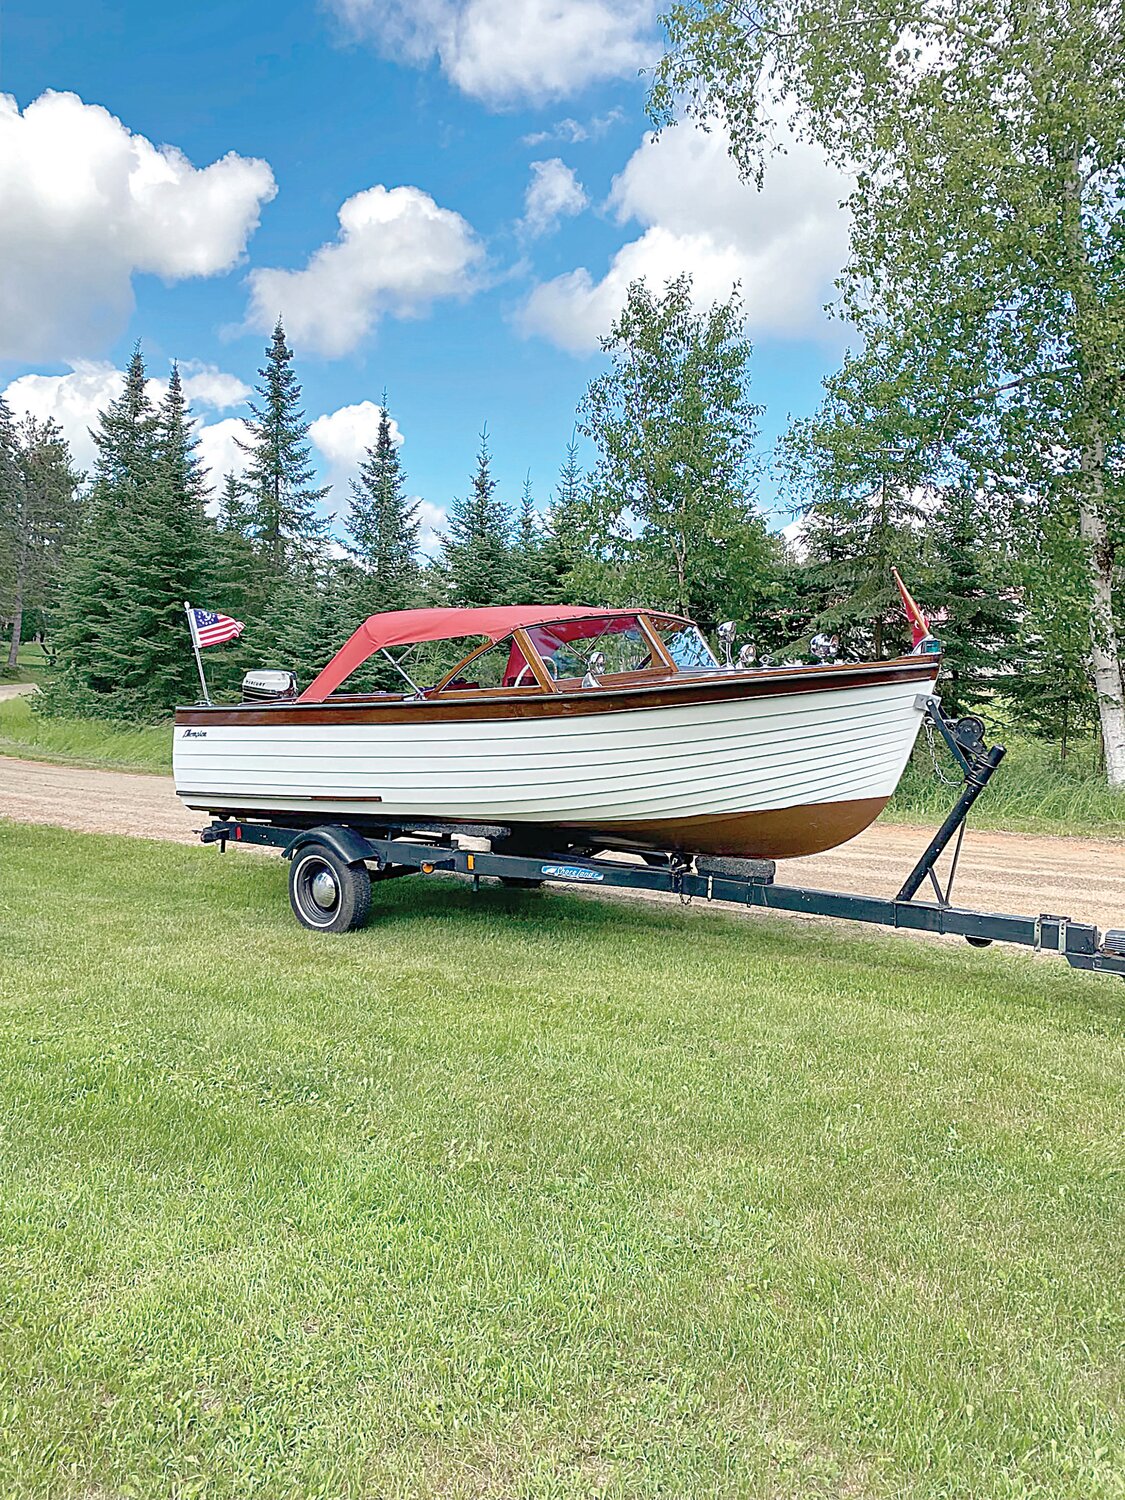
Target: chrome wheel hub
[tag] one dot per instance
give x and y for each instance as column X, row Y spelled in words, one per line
column 324, row 891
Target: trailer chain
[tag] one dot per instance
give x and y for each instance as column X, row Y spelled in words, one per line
column 932, row 746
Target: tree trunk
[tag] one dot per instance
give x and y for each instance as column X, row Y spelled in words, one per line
column 17, row 606
column 1105, row 649
column 17, row 627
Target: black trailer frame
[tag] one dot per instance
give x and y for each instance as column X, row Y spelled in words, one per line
column 374, row 849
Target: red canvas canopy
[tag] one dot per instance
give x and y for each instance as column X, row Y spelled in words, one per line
column 403, row 627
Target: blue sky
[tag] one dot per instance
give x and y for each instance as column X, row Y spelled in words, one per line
column 470, row 300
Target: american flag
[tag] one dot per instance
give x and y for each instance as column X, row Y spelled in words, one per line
column 211, row 629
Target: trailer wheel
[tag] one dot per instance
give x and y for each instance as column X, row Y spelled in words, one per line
column 520, row 883
column 327, row 894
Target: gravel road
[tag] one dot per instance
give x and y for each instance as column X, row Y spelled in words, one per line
column 999, row 871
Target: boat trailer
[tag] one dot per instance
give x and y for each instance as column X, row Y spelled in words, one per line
column 332, row 867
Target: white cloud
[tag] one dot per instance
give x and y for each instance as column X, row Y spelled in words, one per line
column 207, row 385
column 342, row 437
column 575, row 131
column 87, row 204
column 218, row 448
column 434, row 520
column 75, row 399
column 396, row 252
column 554, row 192
column 502, row 52
column 785, row 244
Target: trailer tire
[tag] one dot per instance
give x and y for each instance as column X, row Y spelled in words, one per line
column 326, row 893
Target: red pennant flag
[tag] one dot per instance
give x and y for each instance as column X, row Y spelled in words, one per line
column 919, row 625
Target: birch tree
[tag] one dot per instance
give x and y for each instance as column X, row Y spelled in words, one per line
column 672, row 497
column 987, row 143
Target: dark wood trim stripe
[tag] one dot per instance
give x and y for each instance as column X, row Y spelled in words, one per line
column 483, row 707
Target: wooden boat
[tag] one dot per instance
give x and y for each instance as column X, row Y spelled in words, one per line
column 593, row 728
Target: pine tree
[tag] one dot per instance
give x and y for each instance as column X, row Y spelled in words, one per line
column 123, row 643
column 11, row 506
column 171, row 553
column 87, row 674
column 383, row 527
column 41, row 518
column 568, row 516
column 305, row 619
column 236, row 587
column 965, row 589
column 233, row 513
column 476, row 557
column 280, row 495
column 534, row 577
column 856, row 467
column 529, row 531
column 575, row 571
column 853, row 541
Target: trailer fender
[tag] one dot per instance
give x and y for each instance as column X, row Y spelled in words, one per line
column 352, row 847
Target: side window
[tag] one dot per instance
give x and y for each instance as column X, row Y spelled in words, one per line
column 572, row 650
column 623, row 650
column 500, row 666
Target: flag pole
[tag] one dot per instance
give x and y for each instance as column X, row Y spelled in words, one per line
column 195, row 648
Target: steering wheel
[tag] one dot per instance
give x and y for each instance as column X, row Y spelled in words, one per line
column 548, row 662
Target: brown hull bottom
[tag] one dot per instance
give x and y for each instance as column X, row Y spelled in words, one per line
column 786, row 833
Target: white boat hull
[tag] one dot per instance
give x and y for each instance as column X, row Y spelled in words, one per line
column 768, row 775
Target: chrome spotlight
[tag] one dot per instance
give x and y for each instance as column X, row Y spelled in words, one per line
column 727, row 632
column 595, row 664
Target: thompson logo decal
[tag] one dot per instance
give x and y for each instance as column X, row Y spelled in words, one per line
column 195, row 734
column 570, row 872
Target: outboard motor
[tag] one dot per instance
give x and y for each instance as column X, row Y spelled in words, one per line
column 264, row 686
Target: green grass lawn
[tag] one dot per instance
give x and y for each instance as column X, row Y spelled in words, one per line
column 33, row 663
column 1032, row 792
column 525, row 1195
column 83, row 742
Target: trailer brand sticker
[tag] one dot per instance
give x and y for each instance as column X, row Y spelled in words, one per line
column 195, row 734
column 570, row 872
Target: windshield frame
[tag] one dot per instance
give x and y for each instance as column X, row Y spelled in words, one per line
column 661, row 662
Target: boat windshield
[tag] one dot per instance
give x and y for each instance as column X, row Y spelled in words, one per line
column 685, row 644
column 571, row 648
column 572, row 651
